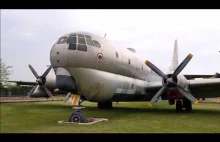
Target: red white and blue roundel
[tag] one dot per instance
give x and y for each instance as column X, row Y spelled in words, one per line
column 99, row 57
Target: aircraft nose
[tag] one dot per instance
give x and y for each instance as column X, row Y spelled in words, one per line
column 58, row 55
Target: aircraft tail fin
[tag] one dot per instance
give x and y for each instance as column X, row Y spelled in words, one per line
column 174, row 63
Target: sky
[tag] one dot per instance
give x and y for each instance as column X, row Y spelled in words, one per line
column 28, row 35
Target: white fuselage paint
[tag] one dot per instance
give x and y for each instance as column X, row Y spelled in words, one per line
column 99, row 81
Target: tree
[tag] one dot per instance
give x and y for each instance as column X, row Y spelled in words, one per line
column 5, row 72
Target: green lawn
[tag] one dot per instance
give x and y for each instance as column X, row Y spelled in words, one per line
column 42, row 117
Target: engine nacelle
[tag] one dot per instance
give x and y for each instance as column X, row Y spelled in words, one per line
column 61, row 81
column 182, row 81
column 64, row 81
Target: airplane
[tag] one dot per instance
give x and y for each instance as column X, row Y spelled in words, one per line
column 92, row 68
column 31, row 84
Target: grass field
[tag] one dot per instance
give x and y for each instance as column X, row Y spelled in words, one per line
column 42, row 117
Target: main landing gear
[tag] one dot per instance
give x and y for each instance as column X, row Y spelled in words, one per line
column 105, row 105
column 183, row 104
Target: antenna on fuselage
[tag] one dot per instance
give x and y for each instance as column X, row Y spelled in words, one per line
column 105, row 35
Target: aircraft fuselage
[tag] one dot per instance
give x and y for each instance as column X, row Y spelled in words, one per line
column 101, row 70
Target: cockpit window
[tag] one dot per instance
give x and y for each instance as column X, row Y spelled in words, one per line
column 82, row 47
column 87, row 36
column 96, row 43
column 89, row 42
column 62, row 40
column 71, row 39
column 82, row 41
column 72, row 46
column 80, row 35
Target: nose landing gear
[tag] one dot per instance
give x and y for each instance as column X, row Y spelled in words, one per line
column 75, row 101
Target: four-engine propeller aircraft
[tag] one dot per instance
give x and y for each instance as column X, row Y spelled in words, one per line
column 96, row 70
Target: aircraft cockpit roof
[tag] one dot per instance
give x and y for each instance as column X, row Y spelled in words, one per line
column 84, row 38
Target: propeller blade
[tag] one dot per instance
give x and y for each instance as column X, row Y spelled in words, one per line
column 159, row 93
column 67, row 97
column 32, row 90
column 182, row 65
column 48, row 91
column 187, row 95
column 155, row 69
column 47, row 71
column 33, row 71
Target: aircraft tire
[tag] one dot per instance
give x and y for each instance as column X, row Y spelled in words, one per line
column 171, row 101
column 77, row 117
column 179, row 106
column 187, row 105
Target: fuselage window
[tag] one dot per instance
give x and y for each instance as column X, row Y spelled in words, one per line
column 96, row 43
column 62, row 40
column 72, row 46
column 80, row 35
column 89, row 42
column 71, row 39
column 82, row 41
column 116, row 54
column 87, row 36
column 129, row 62
column 82, row 47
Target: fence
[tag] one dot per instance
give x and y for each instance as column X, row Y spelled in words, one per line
column 19, row 94
column 22, row 91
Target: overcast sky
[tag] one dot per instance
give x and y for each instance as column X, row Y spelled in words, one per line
column 27, row 36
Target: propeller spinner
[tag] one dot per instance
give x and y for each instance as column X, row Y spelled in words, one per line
column 171, row 81
column 41, row 80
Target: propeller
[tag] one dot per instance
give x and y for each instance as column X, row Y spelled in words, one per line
column 41, row 80
column 171, row 81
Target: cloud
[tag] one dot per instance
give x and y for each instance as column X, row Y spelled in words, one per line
column 27, row 35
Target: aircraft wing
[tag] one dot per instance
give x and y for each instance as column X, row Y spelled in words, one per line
column 191, row 76
column 24, row 82
column 205, row 88
column 201, row 88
